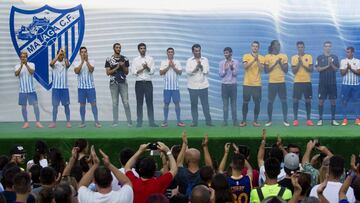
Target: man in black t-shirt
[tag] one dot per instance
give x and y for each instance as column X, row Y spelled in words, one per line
column 117, row 67
column 327, row 65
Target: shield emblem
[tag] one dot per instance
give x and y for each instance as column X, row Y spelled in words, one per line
column 42, row 32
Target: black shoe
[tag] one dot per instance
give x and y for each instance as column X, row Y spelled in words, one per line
column 193, row 125
column 153, row 125
column 210, row 125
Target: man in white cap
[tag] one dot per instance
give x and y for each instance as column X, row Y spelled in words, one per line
column 291, row 166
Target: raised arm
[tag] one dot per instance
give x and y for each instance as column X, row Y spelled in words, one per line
column 261, row 152
column 89, row 176
column 166, row 150
column 224, row 159
column 207, row 156
column 123, row 179
column 180, row 158
column 72, row 161
column 131, row 162
column 309, row 147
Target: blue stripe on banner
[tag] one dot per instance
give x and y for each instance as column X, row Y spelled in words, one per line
column 73, row 38
column 67, row 43
column 59, row 43
column 53, row 51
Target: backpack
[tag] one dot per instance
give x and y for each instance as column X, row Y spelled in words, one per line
column 261, row 195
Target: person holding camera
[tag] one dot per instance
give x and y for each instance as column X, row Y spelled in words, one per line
column 117, row 68
column 147, row 184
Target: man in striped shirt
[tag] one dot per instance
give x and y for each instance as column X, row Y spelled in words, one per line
column 25, row 71
column 350, row 88
column 86, row 88
column 171, row 69
column 60, row 91
column 327, row 64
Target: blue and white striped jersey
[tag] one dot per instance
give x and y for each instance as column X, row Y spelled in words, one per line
column 26, row 79
column 350, row 78
column 59, row 75
column 85, row 78
column 171, row 78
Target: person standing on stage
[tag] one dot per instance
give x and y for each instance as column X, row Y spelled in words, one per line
column 171, row 69
column 86, row 87
column 302, row 67
column 25, row 72
column 60, row 91
column 143, row 67
column 197, row 69
column 350, row 88
column 117, row 68
column 327, row 64
column 228, row 71
column 253, row 66
column 276, row 65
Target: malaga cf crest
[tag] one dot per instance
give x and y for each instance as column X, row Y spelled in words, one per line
column 42, row 32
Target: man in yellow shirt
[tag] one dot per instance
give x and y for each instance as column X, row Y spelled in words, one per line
column 302, row 66
column 276, row 65
column 253, row 65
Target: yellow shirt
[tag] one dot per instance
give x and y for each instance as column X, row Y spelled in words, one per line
column 269, row 191
column 252, row 75
column 302, row 75
column 277, row 75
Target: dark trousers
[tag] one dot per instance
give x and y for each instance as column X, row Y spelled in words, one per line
column 144, row 89
column 229, row 94
column 195, row 94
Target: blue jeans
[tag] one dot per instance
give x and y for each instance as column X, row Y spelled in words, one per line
column 121, row 89
column 229, row 94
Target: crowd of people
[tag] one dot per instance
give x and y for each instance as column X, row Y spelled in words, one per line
column 282, row 174
column 275, row 64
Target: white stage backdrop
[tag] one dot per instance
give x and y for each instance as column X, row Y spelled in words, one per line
column 179, row 24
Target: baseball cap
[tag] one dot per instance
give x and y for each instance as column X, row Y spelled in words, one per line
column 291, row 161
column 17, row 149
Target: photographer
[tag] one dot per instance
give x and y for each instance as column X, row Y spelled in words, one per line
column 117, row 67
column 147, row 184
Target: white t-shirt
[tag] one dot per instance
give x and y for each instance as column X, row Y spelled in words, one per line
column 85, row 77
column 350, row 78
column 124, row 195
column 115, row 183
column 331, row 192
column 26, row 84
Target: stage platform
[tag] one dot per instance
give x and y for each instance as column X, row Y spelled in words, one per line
column 341, row 139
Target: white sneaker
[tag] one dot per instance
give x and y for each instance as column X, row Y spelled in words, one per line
column 334, row 123
column 268, row 124
column 114, row 125
column 286, row 124
column 319, row 123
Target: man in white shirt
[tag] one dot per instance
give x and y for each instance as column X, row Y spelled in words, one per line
column 25, row 71
column 143, row 67
column 86, row 87
column 350, row 88
column 60, row 91
column 331, row 192
column 197, row 69
column 171, row 70
column 102, row 178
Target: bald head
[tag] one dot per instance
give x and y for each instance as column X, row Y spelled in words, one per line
column 200, row 194
column 192, row 155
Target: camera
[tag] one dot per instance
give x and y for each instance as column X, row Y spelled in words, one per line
column 153, row 146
